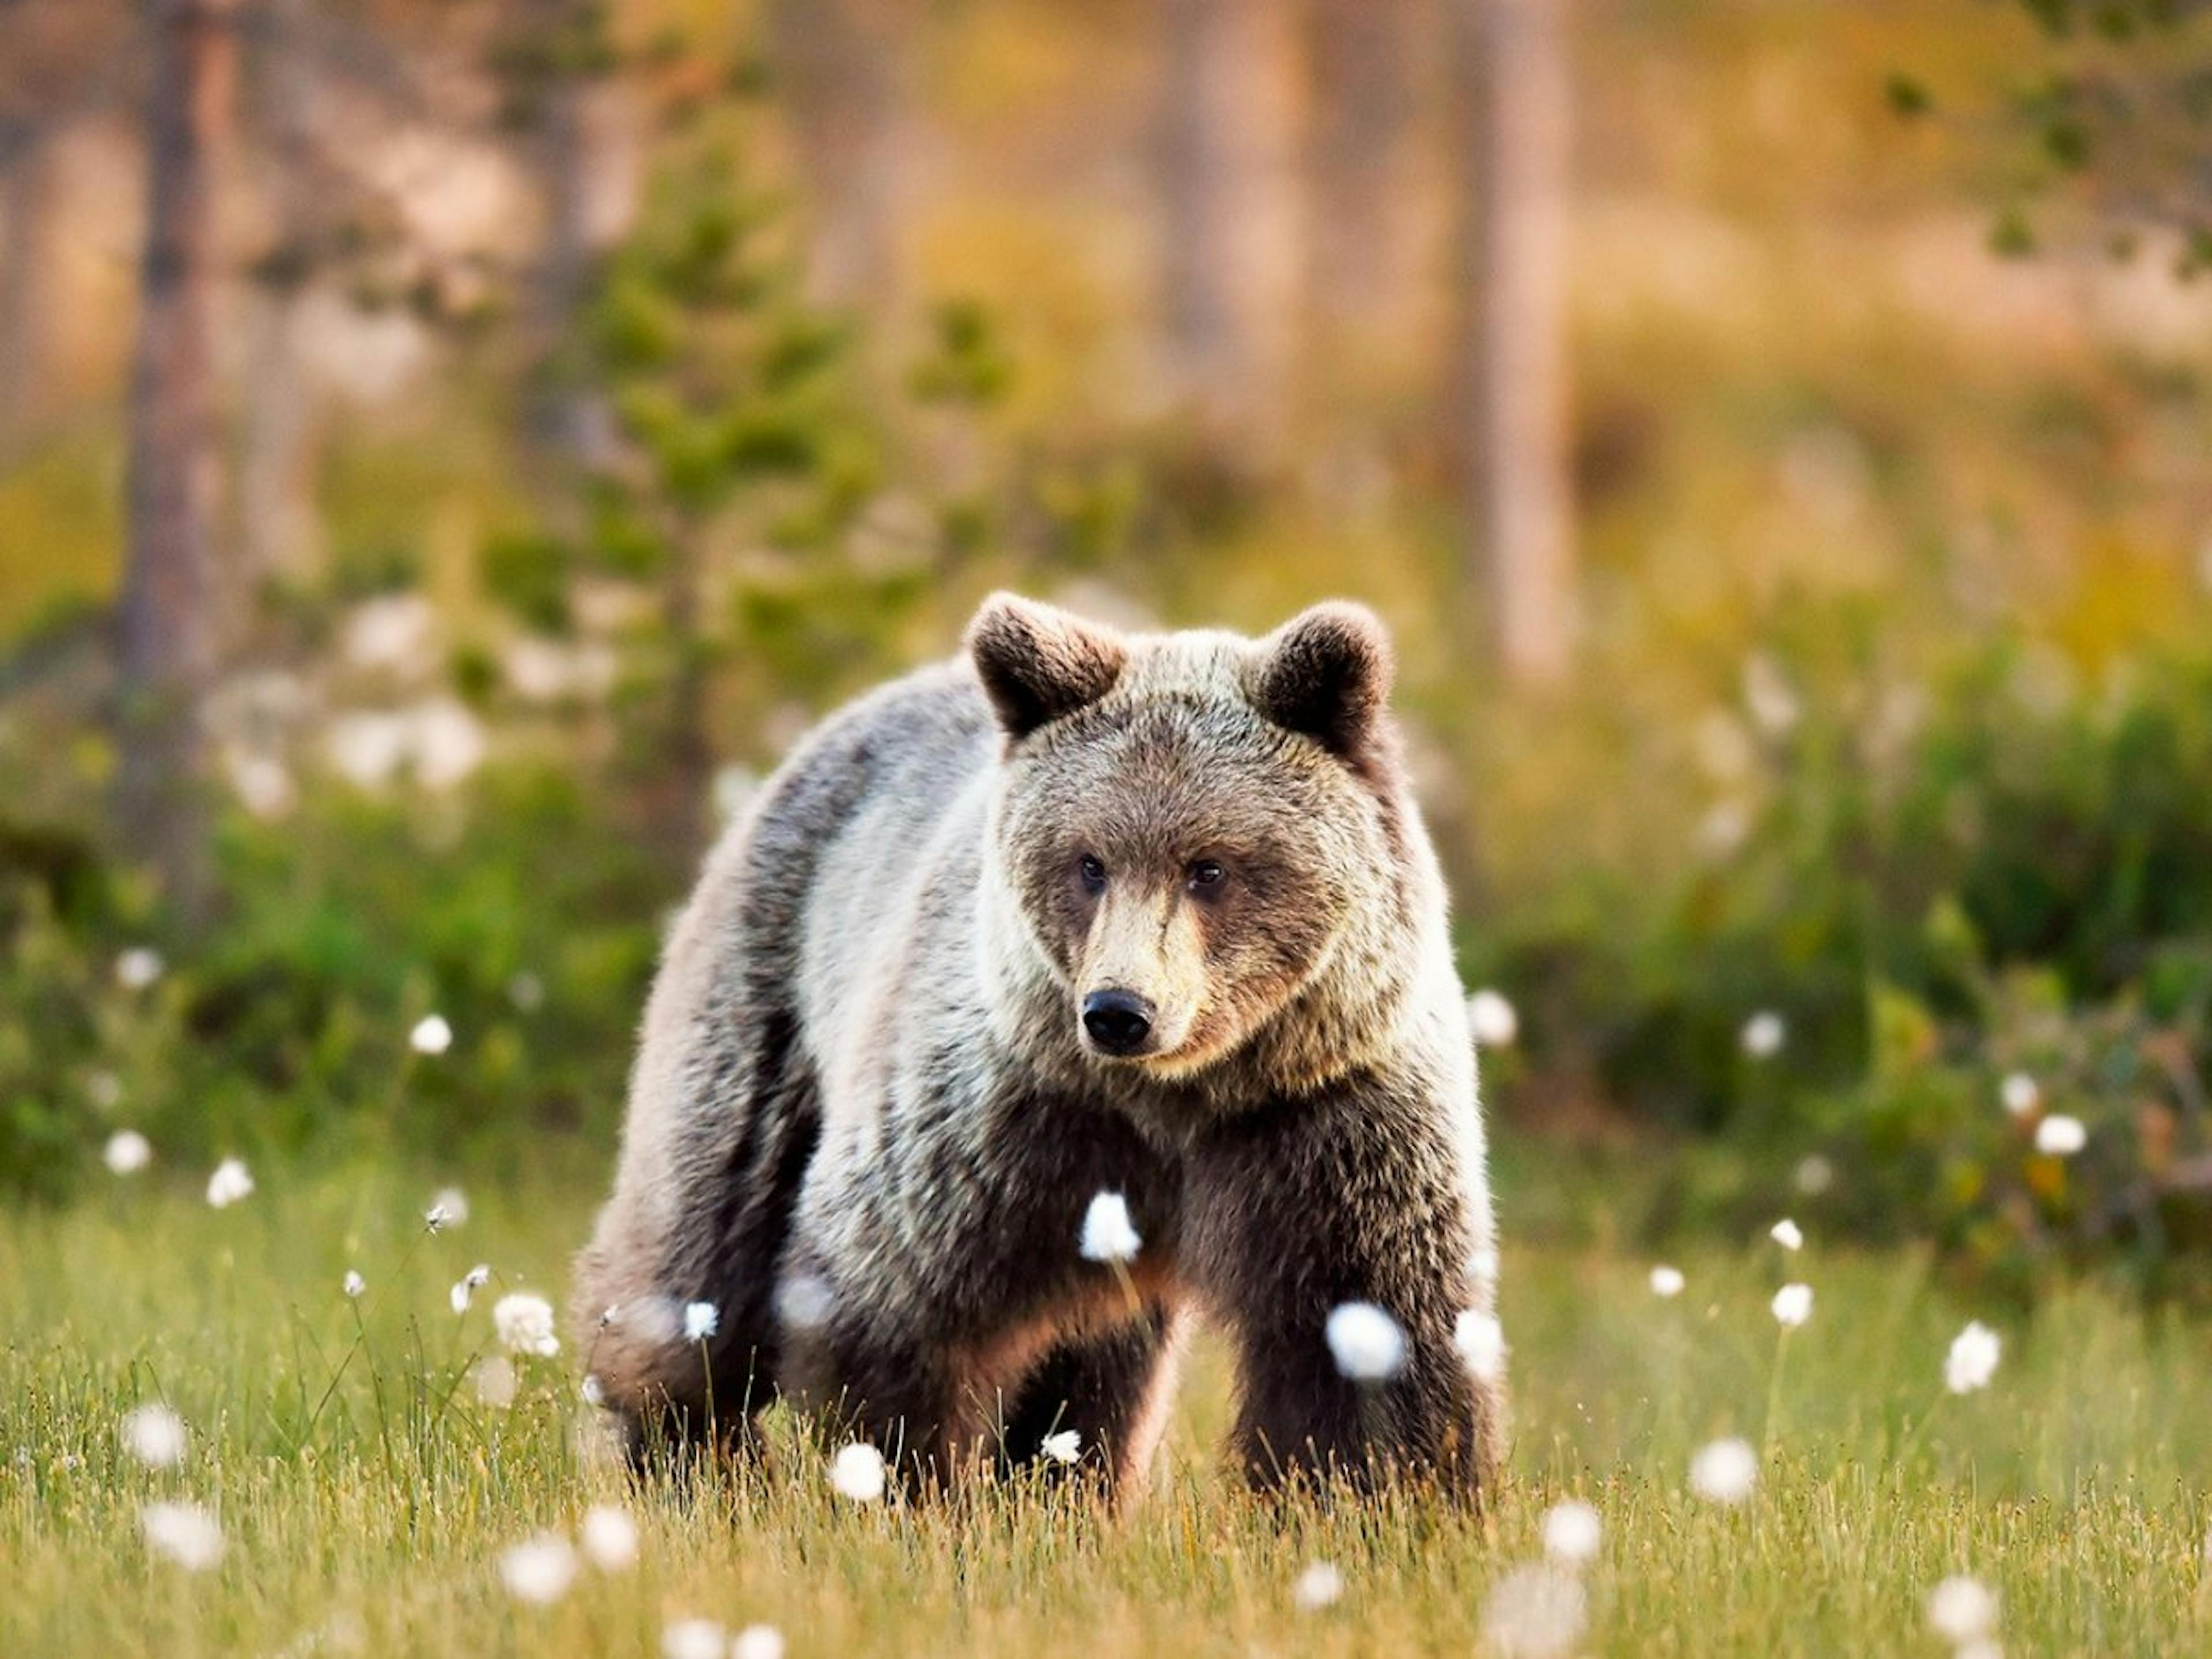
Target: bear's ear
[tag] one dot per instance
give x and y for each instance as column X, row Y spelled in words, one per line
column 1038, row 663
column 1325, row 672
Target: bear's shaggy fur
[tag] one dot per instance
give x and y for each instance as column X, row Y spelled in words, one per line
column 869, row 1114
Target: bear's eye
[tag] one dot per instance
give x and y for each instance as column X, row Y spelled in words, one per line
column 1207, row 877
column 1093, row 874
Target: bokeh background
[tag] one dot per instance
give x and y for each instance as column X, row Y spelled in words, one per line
column 449, row 448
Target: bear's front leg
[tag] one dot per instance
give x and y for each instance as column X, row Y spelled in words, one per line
column 1110, row 1391
column 1311, row 1205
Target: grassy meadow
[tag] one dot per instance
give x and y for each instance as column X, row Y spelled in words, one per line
column 365, row 1494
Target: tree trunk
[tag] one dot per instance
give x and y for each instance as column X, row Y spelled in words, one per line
column 278, row 527
column 1511, row 403
column 167, row 644
column 1360, row 52
column 559, row 154
column 26, row 292
column 1216, row 126
column 838, row 62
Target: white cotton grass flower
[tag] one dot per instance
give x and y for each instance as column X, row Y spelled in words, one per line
column 1962, row 1610
column 693, row 1638
column 1572, row 1532
column 155, row 1436
column 1064, row 1447
column 592, row 1392
column 2060, row 1136
column 1793, row 1305
column 701, row 1321
column 496, row 1382
column 1367, row 1343
column 1814, row 1175
column 354, row 1284
column 857, row 1473
column 467, row 1286
column 538, row 1570
column 1480, row 1341
column 1724, row 1471
column 230, row 1182
column 1107, row 1233
column 1321, row 1585
column 2020, row 1093
column 127, row 1152
column 1666, row 1282
column 803, row 1301
column 184, row 1533
column 105, row 1089
column 1972, row 1360
column 524, row 1324
column 455, row 1204
column 1763, row 1034
column 1788, row 1234
column 433, row 1035
column 1535, row 1612
column 139, row 967
column 610, row 1538
column 1492, row 1019
column 757, row 1642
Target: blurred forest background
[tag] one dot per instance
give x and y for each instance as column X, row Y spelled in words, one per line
column 448, row 448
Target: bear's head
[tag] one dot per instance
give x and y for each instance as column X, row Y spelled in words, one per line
column 1191, row 827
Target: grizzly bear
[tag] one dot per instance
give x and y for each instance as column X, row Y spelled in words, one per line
column 1086, row 925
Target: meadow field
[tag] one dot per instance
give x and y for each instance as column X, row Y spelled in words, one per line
column 365, row 1494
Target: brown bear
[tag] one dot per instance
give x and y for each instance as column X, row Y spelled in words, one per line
column 1040, row 1001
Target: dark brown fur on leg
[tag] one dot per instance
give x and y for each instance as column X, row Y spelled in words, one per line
column 1295, row 1213
column 1110, row 1389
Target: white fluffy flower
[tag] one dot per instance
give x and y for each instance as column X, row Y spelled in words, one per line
column 701, row 1321
column 2060, row 1136
column 138, row 968
column 524, row 1324
column 467, row 1286
column 454, row 1202
column 592, row 1391
column 155, row 1436
column 185, row 1532
column 2020, row 1093
column 495, row 1381
column 1064, row 1446
column 1108, row 1234
column 693, row 1638
column 1667, row 1281
column 229, row 1184
column 1321, row 1585
column 1972, row 1360
column 354, row 1284
column 1367, row 1343
column 538, row 1570
column 610, row 1538
column 1571, row 1532
column 1793, row 1305
column 1535, row 1613
column 1481, row 1341
column 757, row 1642
column 1725, row 1472
column 1492, row 1018
column 431, row 1035
column 1788, row 1234
column 127, row 1152
column 857, row 1473
column 1962, row 1610
column 1814, row 1174
column 1763, row 1034
column 803, row 1301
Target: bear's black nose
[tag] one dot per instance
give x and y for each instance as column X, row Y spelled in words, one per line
column 1120, row 1022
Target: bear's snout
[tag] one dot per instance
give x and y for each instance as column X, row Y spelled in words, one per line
column 1117, row 1022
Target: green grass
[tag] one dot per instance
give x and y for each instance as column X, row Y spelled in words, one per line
column 372, row 1520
